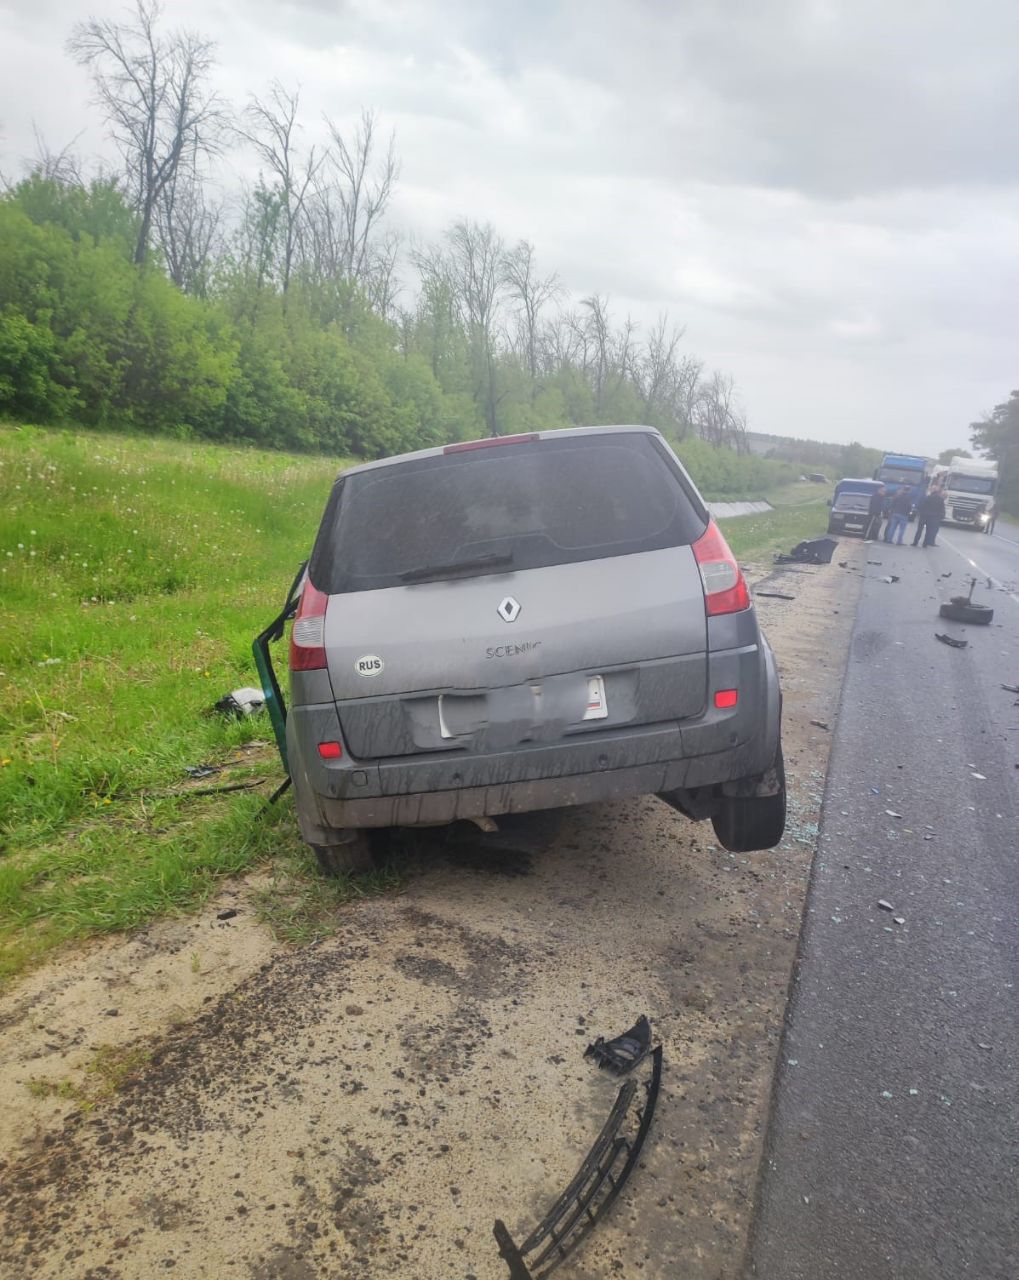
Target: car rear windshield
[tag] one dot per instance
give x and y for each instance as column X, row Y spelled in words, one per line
column 502, row 508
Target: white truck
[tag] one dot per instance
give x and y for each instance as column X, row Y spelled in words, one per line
column 970, row 486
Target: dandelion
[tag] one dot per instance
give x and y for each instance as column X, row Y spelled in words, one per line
column 5, row 762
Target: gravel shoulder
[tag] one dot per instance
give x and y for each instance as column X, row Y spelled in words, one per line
column 198, row 1099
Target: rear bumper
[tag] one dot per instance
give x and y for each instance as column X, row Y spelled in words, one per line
column 719, row 746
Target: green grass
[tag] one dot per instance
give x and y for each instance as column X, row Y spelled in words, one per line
column 133, row 575
column 799, row 493
column 110, row 1067
column 758, row 537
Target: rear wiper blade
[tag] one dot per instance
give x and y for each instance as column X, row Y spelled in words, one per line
column 456, row 566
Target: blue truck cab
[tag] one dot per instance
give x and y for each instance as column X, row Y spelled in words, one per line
column 850, row 506
column 903, row 471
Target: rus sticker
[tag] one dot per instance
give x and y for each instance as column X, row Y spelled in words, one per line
column 370, row 665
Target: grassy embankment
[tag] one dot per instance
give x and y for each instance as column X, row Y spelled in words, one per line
column 133, row 575
column 800, row 512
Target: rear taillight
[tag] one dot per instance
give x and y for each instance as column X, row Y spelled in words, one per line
column 307, row 639
column 725, row 588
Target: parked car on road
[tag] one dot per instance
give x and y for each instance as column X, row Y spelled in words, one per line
column 524, row 623
column 850, row 507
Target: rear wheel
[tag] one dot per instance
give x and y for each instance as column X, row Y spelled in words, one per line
column 961, row 610
column 349, row 856
column 744, row 824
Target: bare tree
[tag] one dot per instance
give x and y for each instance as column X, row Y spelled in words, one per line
column 668, row 383
column 685, row 388
column 599, row 330
column 475, row 272
column 189, row 230
column 530, row 292
column 382, row 285
column 437, row 317
column 717, row 417
column 355, row 199
column 561, row 340
column 273, row 133
column 63, row 166
column 654, row 368
column 153, row 90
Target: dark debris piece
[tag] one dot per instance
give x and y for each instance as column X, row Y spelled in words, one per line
column 624, row 1052
column 1011, row 688
column 813, row 551
column 955, row 644
column 774, row 595
column 201, row 770
column 593, row 1189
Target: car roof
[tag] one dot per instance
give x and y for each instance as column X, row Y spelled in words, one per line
column 559, row 434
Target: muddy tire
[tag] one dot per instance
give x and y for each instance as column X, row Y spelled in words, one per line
column 978, row 615
column 744, row 824
column 352, row 856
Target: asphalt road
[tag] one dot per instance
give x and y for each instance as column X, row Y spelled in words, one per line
column 894, row 1137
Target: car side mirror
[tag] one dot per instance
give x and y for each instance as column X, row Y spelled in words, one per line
column 828, row 503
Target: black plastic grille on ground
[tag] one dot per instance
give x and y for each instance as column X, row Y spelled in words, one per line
column 623, row 1053
column 592, row 1190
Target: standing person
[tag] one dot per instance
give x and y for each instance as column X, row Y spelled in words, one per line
column 902, row 504
column 929, row 515
column 935, row 515
column 992, row 512
column 875, row 511
column 921, row 517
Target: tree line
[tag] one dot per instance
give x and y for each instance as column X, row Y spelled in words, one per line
column 290, row 313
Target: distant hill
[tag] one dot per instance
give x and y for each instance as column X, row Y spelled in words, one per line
column 816, row 455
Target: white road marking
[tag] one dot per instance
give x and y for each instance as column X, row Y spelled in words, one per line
column 943, row 541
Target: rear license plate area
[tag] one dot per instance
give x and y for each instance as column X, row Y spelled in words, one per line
column 597, row 703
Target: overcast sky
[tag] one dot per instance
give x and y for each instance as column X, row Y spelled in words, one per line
column 824, row 192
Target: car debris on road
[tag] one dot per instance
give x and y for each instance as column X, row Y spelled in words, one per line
column 623, row 1053
column 812, row 551
column 593, row 1188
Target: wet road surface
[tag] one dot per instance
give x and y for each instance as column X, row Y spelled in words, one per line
column 894, row 1137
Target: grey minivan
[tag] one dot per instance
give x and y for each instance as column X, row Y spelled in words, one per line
column 523, row 623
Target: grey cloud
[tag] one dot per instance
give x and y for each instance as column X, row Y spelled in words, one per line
column 823, row 191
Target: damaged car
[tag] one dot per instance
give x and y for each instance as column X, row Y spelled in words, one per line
column 527, row 622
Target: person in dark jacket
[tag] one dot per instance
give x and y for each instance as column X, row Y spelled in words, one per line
column 902, row 504
column 875, row 511
column 929, row 515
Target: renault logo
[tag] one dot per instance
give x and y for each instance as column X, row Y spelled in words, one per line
column 509, row 610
